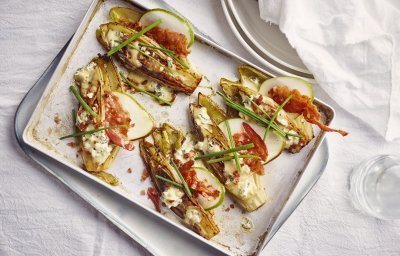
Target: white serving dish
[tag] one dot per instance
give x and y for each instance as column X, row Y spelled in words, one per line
column 262, row 40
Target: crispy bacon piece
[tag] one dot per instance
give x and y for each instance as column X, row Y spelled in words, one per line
column 236, row 177
column 259, row 144
column 153, row 195
column 186, row 166
column 300, row 104
column 259, row 149
column 118, row 140
column 116, row 115
column 193, row 182
column 171, row 40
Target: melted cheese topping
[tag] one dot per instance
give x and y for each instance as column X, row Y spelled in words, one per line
column 207, row 146
column 291, row 140
column 152, row 85
column 170, row 63
column 246, row 187
column 192, row 216
column 201, row 117
column 97, row 144
column 186, row 148
column 113, row 37
column 162, row 91
column 172, row 197
column 84, row 77
column 82, row 117
column 134, row 55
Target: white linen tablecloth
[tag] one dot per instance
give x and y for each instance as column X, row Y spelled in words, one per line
column 39, row 216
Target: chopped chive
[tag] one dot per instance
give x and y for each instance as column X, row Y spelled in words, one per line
column 133, row 37
column 172, row 182
column 77, row 134
column 81, row 101
column 259, row 108
column 185, row 185
column 169, row 181
column 125, row 79
column 73, row 112
column 275, row 115
column 273, row 123
column 232, row 145
column 255, row 116
column 227, row 158
column 158, row 48
column 250, row 113
column 223, row 152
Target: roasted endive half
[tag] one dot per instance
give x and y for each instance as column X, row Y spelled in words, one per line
column 296, row 132
column 107, row 118
column 301, row 103
column 147, row 56
column 174, row 193
column 129, row 17
column 275, row 144
column 182, row 150
column 239, row 171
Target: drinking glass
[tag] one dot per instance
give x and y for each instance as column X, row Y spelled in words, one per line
column 375, row 186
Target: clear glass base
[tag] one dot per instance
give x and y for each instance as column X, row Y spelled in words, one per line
column 375, row 187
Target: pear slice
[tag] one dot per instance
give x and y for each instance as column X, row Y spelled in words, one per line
column 275, row 143
column 141, row 122
column 205, row 175
column 169, row 20
column 304, row 87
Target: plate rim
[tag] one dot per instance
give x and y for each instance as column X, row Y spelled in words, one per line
column 255, row 42
column 262, row 59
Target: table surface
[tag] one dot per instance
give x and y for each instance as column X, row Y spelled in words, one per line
column 39, row 216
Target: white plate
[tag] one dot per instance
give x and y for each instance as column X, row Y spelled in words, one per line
column 262, row 40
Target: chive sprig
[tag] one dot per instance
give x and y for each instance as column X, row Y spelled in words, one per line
column 255, row 116
column 133, row 37
column 81, row 101
column 184, row 183
column 78, row 134
column 223, row 152
column 137, row 88
column 232, row 145
column 272, row 120
column 227, row 158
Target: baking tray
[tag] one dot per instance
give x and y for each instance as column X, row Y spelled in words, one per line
column 131, row 219
column 229, row 241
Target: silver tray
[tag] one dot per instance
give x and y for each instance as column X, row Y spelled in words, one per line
column 108, row 204
column 273, row 222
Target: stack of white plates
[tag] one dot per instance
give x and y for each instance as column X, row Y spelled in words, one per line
column 263, row 40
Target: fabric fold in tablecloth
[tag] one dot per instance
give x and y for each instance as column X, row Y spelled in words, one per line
column 352, row 48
